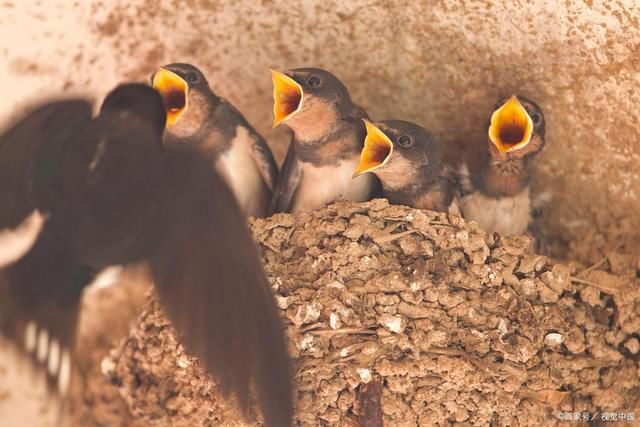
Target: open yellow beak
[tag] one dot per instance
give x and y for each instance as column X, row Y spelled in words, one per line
column 287, row 97
column 174, row 91
column 376, row 151
column 511, row 126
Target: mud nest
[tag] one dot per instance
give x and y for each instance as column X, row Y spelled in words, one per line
column 411, row 317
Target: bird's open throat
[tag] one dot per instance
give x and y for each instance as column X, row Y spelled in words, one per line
column 175, row 101
column 290, row 102
column 287, row 96
column 511, row 134
column 376, row 151
column 378, row 154
column 511, row 126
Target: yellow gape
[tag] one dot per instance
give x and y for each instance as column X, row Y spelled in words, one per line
column 287, row 97
column 174, row 91
column 376, row 152
column 511, row 126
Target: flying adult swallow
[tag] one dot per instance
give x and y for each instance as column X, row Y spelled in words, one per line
column 87, row 193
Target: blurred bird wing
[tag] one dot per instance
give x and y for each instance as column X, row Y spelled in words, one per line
column 265, row 161
column 213, row 288
column 39, row 302
column 40, row 289
column 287, row 182
column 40, row 133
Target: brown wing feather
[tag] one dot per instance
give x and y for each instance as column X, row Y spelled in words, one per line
column 265, row 161
column 213, row 287
column 287, row 183
column 44, row 129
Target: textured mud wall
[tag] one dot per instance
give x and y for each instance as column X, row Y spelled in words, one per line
column 441, row 63
column 456, row 325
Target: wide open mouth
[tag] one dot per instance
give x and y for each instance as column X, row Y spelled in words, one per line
column 174, row 91
column 511, row 126
column 376, row 151
column 287, row 97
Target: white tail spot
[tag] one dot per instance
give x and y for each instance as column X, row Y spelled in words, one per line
column 106, row 278
column 30, row 336
column 43, row 345
column 15, row 243
column 64, row 377
column 54, row 357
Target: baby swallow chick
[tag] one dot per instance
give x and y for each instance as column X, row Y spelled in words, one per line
column 408, row 161
column 328, row 133
column 86, row 193
column 196, row 116
column 496, row 192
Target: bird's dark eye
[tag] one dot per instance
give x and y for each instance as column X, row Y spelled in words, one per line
column 314, row 81
column 536, row 118
column 405, row 141
column 191, row 77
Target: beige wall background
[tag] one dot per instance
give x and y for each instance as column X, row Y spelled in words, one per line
column 441, row 63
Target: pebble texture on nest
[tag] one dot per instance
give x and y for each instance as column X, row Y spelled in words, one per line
column 417, row 316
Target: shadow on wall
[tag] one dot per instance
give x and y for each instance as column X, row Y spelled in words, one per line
column 440, row 63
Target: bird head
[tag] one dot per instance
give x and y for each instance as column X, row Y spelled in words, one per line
column 400, row 153
column 138, row 99
column 516, row 129
column 308, row 100
column 186, row 96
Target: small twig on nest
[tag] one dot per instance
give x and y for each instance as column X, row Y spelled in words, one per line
column 391, row 237
column 443, row 224
column 595, row 285
column 356, row 331
column 397, row 218
column 551, row 397
column 270, row 246
column 346, row 352
column 601, row 262
column 321, row 329
column 273, row 226
column 446, row 351
column 507, row 367
column 392, row 227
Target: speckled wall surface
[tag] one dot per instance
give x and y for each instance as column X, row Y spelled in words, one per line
column 440, row 63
